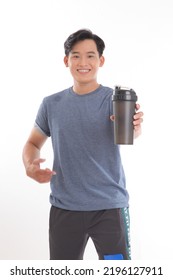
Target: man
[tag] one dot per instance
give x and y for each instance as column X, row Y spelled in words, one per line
column 88, row 189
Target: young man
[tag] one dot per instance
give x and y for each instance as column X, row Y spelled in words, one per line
column 88, row 189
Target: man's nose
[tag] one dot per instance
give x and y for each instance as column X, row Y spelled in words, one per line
column 83, row 61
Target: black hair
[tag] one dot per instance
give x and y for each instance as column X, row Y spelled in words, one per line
column 81, row 35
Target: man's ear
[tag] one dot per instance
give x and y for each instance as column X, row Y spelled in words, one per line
column 66, row 61
column 102, row 61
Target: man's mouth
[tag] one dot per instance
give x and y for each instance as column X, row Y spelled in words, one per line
column 83, row 70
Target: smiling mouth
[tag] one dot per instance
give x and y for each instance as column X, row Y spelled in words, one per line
column 83, row 70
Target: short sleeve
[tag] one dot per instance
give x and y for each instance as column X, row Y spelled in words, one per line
column 41, row 121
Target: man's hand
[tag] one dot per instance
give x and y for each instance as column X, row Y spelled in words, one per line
column 138, row 119
column 40, row 175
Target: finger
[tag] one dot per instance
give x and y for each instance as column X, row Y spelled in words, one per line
column 138, row 115
column 137, row 122
column 44, row 178
column 49, row 171
column 137, row 127
column 43, row 175
column 137, row 106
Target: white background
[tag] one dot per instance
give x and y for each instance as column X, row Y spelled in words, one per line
column 139, row 54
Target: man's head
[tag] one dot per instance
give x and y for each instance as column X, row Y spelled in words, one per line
column 82, row 35
column 83, row 56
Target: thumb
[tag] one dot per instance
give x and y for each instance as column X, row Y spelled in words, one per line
column 37, row 161
column 112, row 117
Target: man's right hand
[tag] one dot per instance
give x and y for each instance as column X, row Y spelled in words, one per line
column 40, row 175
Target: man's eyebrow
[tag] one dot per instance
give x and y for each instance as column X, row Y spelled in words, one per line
column 90, row 52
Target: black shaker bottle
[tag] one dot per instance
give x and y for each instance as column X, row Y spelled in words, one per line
column 124, row 100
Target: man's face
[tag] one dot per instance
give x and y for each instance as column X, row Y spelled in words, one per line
column 84, row 61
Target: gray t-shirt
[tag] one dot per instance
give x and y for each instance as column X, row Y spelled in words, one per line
column 89, row 175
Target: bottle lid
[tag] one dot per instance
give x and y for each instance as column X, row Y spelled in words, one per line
column 124, row 94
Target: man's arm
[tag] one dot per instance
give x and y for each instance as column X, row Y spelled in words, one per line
column 32, row 160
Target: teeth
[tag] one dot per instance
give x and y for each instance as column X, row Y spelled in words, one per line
column 83, row 70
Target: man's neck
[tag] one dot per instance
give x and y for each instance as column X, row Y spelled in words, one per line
column 85, row 88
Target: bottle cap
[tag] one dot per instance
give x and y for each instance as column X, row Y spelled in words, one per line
column 124, row 94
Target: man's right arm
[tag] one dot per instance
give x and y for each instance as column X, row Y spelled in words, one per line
column 32, row 160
